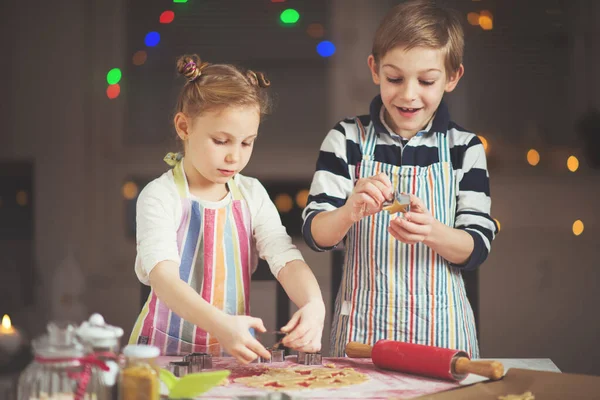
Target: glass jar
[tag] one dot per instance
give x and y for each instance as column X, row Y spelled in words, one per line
column 139, row 377
column 103, row 341
column 59, row 369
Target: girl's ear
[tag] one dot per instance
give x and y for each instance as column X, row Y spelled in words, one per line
column 182, row 125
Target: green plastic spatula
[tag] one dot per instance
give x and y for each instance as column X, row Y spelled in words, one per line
column 191, row 385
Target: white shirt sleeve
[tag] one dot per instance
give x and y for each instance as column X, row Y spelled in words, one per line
column 272, row 240
column 158, row 213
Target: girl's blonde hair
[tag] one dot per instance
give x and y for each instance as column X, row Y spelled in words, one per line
column 212, row 87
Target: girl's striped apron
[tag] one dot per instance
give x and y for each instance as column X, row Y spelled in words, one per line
column 214, row 247
column 391, row 290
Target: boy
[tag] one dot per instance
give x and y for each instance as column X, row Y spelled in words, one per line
column 402, row 275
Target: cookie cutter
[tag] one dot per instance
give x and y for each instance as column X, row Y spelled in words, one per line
column 400, row 203
column 277, row 355
column 198, row 361
column 179, row 368
column 310, row 358
column 262, row 360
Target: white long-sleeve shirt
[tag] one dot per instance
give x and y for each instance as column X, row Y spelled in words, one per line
column 159, row 213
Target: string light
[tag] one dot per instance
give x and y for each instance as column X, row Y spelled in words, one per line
column 166, row 17
column 284, row 202
column 152, row 39
column 130, row 190
column 473, row 18
column 113, row 76
column 533, row 157
column 140, row 57
column 572, row 163
column 497, row 223
column 315, row 31
column 113, row 91
column 486, row 20
column 578, row 227
column 289, row 16
column 326, row 48
column 22, row 198
column 302, row 198
column 484, row 142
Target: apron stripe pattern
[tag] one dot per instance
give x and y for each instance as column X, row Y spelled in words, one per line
column 391, row 290
column 214, row 246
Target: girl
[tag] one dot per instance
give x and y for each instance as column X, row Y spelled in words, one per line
column 201, row 226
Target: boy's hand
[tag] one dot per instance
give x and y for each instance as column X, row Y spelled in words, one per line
column 233, row 334
column 368, row 196
column 306, row 328
column 415, row 226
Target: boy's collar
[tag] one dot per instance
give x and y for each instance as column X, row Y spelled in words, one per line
column 441, row 120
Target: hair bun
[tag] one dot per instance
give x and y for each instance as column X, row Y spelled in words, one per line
column 258, row 79
column 190, row 66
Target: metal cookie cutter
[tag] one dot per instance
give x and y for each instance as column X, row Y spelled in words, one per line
column 179, row 368
column 309, row 358
column 277, row 355
column 400, row 203
column 198, row 361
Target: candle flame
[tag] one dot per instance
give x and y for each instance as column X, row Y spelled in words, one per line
column 6, row 322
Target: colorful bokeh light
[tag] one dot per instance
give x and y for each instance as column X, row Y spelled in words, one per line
column 140, row 57
column 289, row 16
column 166, row 17
column 152, row 39
column 113, row 91
column 113, row 76
column 326, row 48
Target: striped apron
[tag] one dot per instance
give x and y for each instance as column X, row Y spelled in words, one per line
column 214, row 247
column 391, row 290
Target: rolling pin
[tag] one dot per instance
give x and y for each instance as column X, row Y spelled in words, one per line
column 434, row 362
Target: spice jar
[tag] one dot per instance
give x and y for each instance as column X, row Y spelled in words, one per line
column 139, row 378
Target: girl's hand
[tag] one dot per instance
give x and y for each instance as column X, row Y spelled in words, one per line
column 368, row 196
column 233, row 334
column 306, row 328
column 415, row 226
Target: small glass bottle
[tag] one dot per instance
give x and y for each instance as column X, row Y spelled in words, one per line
column 103, row 341
column 139, row 378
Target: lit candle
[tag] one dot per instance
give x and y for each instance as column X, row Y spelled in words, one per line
column 10, row 338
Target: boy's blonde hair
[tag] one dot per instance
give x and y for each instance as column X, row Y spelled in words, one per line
column 421, row 23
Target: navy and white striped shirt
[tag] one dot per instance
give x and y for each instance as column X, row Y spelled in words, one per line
column 335, row 178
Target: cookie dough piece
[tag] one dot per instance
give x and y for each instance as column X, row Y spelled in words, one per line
column 279, row 379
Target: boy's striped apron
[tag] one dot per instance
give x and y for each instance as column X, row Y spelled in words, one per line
column 391, row 290
column 214, row 247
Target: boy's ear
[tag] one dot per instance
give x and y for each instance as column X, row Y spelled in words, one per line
column 374, row 69
column 182, row 125
column 454, row 78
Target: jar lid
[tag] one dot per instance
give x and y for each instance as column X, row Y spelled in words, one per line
column 97, row 333
column 141, row 351
column 59, row 342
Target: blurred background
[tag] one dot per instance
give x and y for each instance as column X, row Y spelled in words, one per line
column 89, row 90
